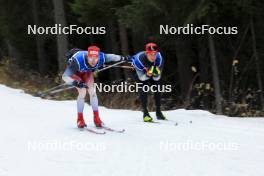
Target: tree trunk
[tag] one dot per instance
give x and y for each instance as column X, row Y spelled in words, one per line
column 123, row 39
column 135, row 45
column 183, row 52
column 204, row 68
column 231, row 82
column 42, row 63
column 254, row 45
column 112, row 40
column 124, row 44
column 12, row 51
column 217, row 89
column 62, row 40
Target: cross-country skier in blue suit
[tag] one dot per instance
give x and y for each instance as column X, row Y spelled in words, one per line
column 80, row 74
column 149, row 65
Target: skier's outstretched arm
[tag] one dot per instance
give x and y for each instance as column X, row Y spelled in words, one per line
column 115, row 58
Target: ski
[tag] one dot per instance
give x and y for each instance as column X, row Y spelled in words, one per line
column 112, row 130
column 156, row 122
column 93, row 131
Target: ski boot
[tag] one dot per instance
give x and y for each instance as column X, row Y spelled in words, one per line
column 160, row 116
column 80, row 121
column 97, row 121
column 147, row 117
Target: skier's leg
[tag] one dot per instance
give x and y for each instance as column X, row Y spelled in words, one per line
column 93, row 99
column 80, row 104
column 157, row 97
column 92, row 92
column 80, row 107
column 81, row 99
column 143, row 96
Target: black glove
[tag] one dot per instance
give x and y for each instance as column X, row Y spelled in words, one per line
column 79, row 84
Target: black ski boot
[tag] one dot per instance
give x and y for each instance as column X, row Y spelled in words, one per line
column 160, row 116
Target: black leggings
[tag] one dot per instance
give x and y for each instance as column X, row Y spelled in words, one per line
column 144, row 96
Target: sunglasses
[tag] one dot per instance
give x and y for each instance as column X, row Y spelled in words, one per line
column 152, row 48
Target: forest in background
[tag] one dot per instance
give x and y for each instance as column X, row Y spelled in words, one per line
column 220, row 73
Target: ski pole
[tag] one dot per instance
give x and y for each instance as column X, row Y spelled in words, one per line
column 40, row 94
column 123, row 66
column 113, row 65
column 59, row 88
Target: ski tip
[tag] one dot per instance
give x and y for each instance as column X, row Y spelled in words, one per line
column 114, row 130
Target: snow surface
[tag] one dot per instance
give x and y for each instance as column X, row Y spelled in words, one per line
column 33, row 131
